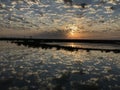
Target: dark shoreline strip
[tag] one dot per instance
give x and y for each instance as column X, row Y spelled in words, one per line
column 34, row 40
column 58, row 47
column 36, row 43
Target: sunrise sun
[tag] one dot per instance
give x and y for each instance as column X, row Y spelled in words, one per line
column 72, row 31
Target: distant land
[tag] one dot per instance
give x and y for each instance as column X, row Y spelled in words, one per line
column 35, row 40
column 60, row 34
column 36, row 43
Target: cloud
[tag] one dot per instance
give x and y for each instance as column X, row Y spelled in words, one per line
column 57, row 15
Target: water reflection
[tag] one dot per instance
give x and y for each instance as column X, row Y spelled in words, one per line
column 72, row 44
column 27, row 68
column 88, row 45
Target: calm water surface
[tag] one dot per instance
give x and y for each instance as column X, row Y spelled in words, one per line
column 88, row 45
column 23, row 68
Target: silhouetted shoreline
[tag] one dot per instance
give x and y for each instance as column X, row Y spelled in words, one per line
column 42, row 43
column 61, row 40
column 58, row 47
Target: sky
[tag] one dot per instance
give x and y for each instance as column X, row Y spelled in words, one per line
column 55, row 19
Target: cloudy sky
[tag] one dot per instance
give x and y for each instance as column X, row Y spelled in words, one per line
column 55, row 19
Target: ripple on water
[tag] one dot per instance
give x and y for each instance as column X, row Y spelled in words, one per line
column 50, row 68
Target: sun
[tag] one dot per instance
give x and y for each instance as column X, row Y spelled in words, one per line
column 72, row 31
column 73, row 34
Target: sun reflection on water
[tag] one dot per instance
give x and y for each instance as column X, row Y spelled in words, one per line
column 72, row 44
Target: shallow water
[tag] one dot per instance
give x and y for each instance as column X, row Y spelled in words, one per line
column 50, row 69
column 88, row 45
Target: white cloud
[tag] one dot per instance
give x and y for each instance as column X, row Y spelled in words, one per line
column 55, row 14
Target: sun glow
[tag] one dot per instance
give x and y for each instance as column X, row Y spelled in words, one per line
column 72, row 31
column 72, row 44
column 73, row 35
column 72, row 27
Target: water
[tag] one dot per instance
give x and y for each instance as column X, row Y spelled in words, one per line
column 24, row 68
column 88, row 45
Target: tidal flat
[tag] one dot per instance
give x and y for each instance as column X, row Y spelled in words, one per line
column 27, row 68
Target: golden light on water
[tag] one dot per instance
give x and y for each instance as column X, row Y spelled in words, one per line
column 72, row 44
